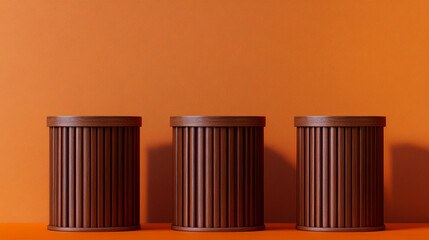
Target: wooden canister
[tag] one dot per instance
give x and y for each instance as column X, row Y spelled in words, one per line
column 94, row 173
column 219, row 173
column 340, row 173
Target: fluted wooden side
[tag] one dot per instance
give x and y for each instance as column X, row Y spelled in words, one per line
column 94, row 178
column 218, row 178
column 340, row 178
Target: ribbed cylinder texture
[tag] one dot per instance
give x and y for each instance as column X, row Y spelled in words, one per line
column 94, row 178
column 340, row 178
column 218, row 181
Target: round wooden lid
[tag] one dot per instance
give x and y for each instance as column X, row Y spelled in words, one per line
column 217, row 121
column 94, row 121
column 340, row 121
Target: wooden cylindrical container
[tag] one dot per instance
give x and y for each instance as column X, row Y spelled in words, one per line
column 94, row 173
column 219, row 173
column 340, row 173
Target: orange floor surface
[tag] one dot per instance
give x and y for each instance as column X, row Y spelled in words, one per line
column 162, row 231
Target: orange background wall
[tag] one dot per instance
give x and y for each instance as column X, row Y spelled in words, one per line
column 160, row 58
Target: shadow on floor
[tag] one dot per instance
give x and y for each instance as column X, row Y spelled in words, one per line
column 404, row 226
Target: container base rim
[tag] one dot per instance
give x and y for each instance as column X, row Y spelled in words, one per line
column 95, row 229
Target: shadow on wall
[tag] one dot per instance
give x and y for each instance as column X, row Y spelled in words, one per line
column 160, row 184
column 280, row 192
column 280, row 188
column 410, row 184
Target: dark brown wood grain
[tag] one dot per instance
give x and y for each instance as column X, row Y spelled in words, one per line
column 218, row 177
column 306, row 158
column 208, row 177
column 200, row 177
column 340, row 170
column 340, row 121
column 333, row 177
column 217, row 121
column 94, row 121
column 91, row 170
column 240, row 177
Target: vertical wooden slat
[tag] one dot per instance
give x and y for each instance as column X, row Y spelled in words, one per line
column 65, row 164
column 55, row 176
column 127, row 165
column 60, row 178
column 175, row 179
column 79, row 177
column 224, row 177
column 307, row 176
column 341, row 178
column 301, row 173
column 200, row 177
column 121, row 180
column 380, row 174
column 367, row 173
column 51, row 180
column 370, row 161
column 192, row 181
column 179, row 137
column 208, row 177
column 114, row 176
column 246, row 177
column 231, row 178
column 108, row 179
column 86, row 177
column 261, row 172
column 216, row 178
column 355, row 177
column 333, row 177
column 252, row 175
column 72, row 180
column 312, row 178
column 100, row 176
column 375, row 179
column 362, row 176
column 258, row 181
column 318, row 177
column 131, row 183
column 128, row 204
column 186, row 178
column 240, row 177
column 325, row 177
column 129, row 176
column 134, row 178
column 348, row 176
column 93, row 186
column 298, row 177
column 137, row 176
